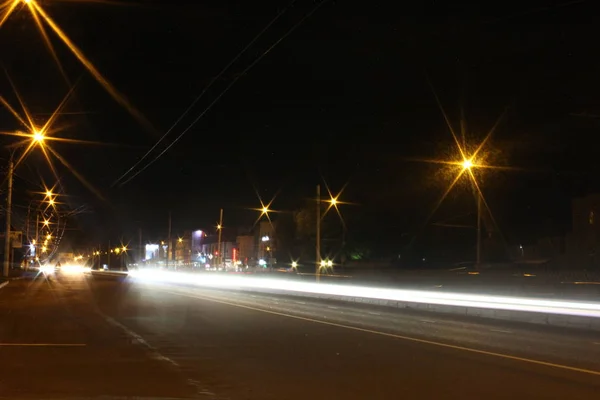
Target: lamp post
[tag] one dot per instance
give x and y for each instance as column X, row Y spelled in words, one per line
column 468, row 166
column 318, row 239
column 7, row 237
column 219, row 229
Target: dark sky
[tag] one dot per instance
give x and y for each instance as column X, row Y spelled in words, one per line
column 347, row 97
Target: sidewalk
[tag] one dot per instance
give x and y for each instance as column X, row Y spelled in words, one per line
column 53, row 344
column 16, row 274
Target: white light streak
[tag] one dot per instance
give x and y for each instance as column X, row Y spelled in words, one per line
column 563, row 307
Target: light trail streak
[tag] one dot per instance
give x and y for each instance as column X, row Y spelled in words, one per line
column 561, row 307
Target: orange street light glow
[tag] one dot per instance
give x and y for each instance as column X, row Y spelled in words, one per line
column 39, row 15
column 38, row 137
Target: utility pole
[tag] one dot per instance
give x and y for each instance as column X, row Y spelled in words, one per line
column 318, row 255
column 27, row 224
column 7, row 243
column 141, row 257
column 169, row 240
column 478, row 262
column 108, row 255
column 220, row 257
column 37, row 234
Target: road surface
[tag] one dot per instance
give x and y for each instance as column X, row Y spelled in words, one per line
column 82, row 337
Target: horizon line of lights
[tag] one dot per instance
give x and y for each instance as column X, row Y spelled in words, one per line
column 506, row 303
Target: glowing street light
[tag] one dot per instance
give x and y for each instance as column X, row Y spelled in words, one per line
column 38, row 137
column 39, row 15
column 294, row 264
column 467, row 164
column 46, row 222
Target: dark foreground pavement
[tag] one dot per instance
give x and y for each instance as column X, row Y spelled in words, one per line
column 170, row 341
column 54, row 344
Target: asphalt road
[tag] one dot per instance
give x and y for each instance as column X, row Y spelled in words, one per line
column 131, row 339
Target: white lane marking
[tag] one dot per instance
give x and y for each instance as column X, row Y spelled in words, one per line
column 2, row 284
column 153, row 352
column 44, row 344
column 373, row 313
column 408, row 338
column 299, row 302
column 500, row 330
column 332, row 307
column 596, row 343
column 427, row 321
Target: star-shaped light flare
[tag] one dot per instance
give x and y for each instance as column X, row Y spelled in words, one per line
column 470, row 159
column 334, row 202
column 40, row 136
column 39, row 15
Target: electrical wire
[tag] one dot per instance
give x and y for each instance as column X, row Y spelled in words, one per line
column 212, row 81
column 226, row 89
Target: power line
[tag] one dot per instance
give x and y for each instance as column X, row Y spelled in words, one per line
column 212, row 81
column 227, row 89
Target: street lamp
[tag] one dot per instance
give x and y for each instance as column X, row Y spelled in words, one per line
column 38, row 137
column 333, row 202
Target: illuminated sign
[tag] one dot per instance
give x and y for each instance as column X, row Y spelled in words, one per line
column 151, row 251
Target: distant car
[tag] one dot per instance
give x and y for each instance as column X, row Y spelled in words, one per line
column 113, row 266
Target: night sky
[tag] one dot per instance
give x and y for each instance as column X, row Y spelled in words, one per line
column 348, row 97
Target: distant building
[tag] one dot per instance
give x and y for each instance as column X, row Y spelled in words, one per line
column 583, row 242
column 266, row 242
column 246, row 249
column 183, row 248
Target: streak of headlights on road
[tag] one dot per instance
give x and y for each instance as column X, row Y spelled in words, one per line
column 562, row 307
